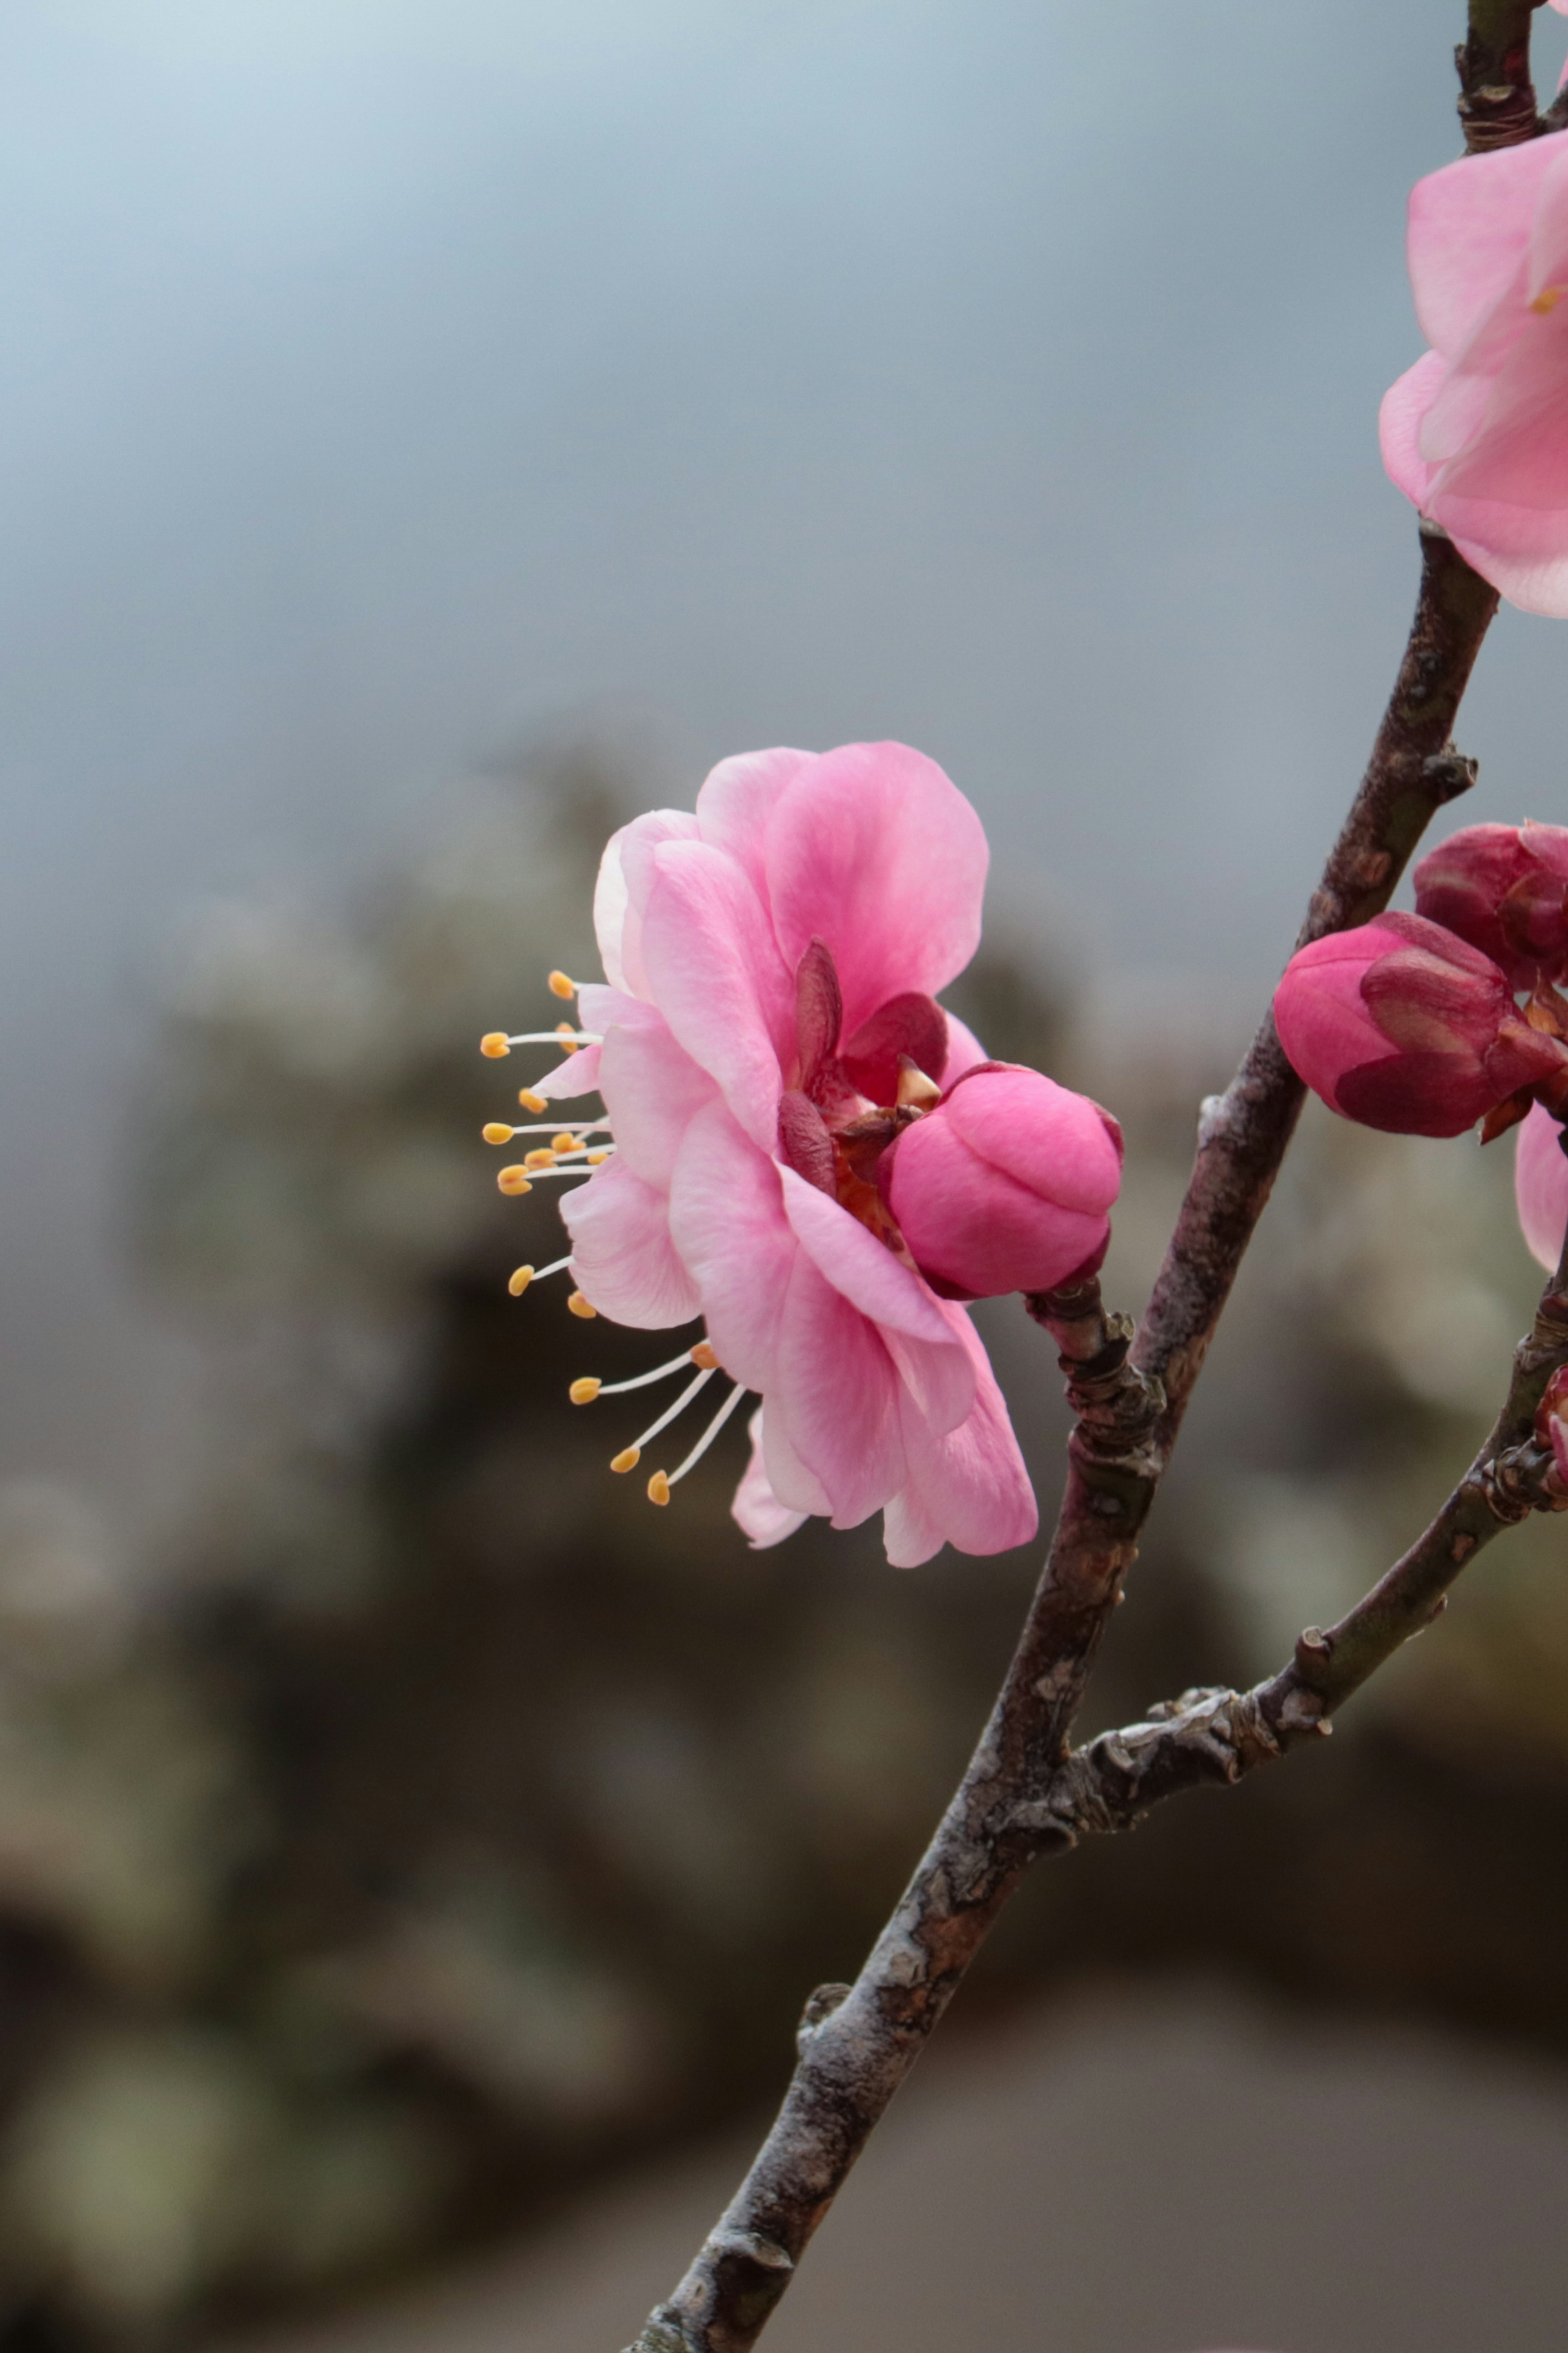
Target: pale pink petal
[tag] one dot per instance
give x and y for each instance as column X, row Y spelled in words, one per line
column 597, row 1006
column 576, row 1074
column 1405, row 406
column 1540, row 1186
column 652, row 1090
column 798, row 1489
column 970, row 1482
column 1549, row 229
column 836, row 1397
column 617, row 916
column 939, row 1377
column 873, row 850
column 965, row 1050
column 715, row 974
column 1517, row 456
column 736, row 801
column 910, row 1535
column 623, row 1260
column 762, row 1516
column 861, row 1267
column 1468, row 233
column 727, row 1221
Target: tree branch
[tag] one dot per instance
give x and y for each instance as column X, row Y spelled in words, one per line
column 1497, row 96
column 856, row 2043
column 1023, row 1795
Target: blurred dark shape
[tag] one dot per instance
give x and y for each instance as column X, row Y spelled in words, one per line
column 439, row 1825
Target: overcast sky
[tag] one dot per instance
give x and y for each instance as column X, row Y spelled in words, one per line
column 385, row 379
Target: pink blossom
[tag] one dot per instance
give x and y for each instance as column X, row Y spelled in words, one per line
column 1503, row 888
column 1401, row 1026
column 769, row 1029
column 1005, row 1185
column 1475, row 432
column 1540, row 1186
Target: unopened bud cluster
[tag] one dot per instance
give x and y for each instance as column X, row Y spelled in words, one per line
column 1412, row 1024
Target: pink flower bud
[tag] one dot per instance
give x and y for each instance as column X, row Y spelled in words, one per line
column 1005, row 1184
column 1551, row 1428
column 1503, row 888
column 1401, row 1026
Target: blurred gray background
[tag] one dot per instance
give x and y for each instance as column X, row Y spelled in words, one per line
column 385, row 382
column 428, row 432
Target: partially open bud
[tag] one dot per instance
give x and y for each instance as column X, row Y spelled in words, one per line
column 1401, row 1026
column 1005, row 1185
column 1503, row 888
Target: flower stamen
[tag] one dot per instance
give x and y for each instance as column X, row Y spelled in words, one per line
column 660, row 1486
column 629, row 1456
column 561, row 985
column 520, row 1278
column 496, row 1042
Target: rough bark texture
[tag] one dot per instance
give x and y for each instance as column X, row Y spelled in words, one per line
column 1497, row 96
column 1025, row 1795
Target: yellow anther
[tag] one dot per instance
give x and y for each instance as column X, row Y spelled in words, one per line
column 703, row 1355
column 514, row 1180
column 495, row 1043
column 542, row 1158
column 585, row 1391
column 560, row 985
column 658, row 1488
column 583, row 1307
column 568, row 1037
column 518, row 1281
column 628, row 1459
column 1547, row 300
column 494, row 1133
column 564, row 1143
column 914, row 1087
column 594, row 1158
column 530, row 1102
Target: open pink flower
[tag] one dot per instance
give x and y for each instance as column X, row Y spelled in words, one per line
column 1476, row 432
column 768, row 1031
column 1401, row 1026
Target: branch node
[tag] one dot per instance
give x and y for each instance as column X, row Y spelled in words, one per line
column 1446, row 775
column 819, row 2008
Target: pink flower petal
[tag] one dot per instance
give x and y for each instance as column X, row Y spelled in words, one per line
column 1541, row 1186
column 861, row 1267
column 965, row 1050
column 623, row 1260
column 1469, row 231
column 737, row 800
column 716, row 976
column 872, row 850
column 910, row 1535
column 970, row 1482
column 728, row 1223
column 1399, row 422
column 762, row 1517
column 617, row 922
column 836, row 1397
column 652, row 1090
column 576, row 1074
column 797, row 1489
